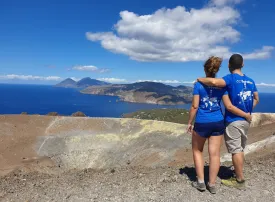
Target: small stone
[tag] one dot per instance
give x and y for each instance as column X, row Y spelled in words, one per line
column 175, row 178
column 266, row 192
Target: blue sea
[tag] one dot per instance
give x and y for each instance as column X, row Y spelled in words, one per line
column 38, row 99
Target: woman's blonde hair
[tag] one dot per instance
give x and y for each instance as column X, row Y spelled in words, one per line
column 212, row 66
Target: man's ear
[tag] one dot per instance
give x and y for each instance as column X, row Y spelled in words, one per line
column 243, row 65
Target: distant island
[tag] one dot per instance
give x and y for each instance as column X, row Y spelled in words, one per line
column 140, row 92
column 83, row 83
column 145, row 92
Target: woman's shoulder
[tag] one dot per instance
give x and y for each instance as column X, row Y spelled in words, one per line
column 198, row 85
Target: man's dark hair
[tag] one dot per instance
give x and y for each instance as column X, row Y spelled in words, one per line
column 235, row 62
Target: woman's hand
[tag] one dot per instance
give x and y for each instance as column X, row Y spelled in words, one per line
column 189, row 129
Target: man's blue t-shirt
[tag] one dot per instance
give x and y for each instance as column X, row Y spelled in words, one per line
column 241, row 93
column 209, row 107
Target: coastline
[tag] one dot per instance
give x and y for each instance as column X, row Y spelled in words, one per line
column 123, row 99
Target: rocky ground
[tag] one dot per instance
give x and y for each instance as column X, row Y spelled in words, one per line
column 137, row 184
column 26, row 176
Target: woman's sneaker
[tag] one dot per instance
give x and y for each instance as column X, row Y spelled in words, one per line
column 199, row 186
column 212, row 189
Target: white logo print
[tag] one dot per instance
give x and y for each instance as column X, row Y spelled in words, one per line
column 244, row 82
column 245, row 95
column 210, row 103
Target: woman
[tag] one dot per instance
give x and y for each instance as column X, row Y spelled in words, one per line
column 209, row 124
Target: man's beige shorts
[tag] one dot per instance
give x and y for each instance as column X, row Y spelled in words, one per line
column 236, row 136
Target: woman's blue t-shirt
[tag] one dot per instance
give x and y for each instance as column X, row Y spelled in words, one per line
column 209, row 109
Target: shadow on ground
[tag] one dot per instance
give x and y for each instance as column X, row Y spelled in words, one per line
column 224, row 173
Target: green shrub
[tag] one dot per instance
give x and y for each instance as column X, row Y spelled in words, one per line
column 169, row 115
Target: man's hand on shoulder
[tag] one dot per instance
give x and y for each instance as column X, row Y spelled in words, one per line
column 198, row 80
column 206, row 81
column 212, row 82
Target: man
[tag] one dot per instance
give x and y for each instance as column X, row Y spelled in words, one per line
column 243, row 94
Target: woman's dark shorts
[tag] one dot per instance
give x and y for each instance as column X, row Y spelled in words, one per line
column 210, row 129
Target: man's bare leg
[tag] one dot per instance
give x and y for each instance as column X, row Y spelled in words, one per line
column 238, row 162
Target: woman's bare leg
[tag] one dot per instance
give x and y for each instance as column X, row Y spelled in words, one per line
column 197, row 147
column 214, row 146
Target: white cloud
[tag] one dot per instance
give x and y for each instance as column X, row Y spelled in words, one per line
column 113, row 80
column 263, row 53
column 265, row 85
column 90, row 68
column 162, row 81
column 29, row 77
column 75, row 79
column 177, row 34
column 189, row 82
column 225, row 2
column 168, row 81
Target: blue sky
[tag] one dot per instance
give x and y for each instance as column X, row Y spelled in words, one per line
column 43, row 42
